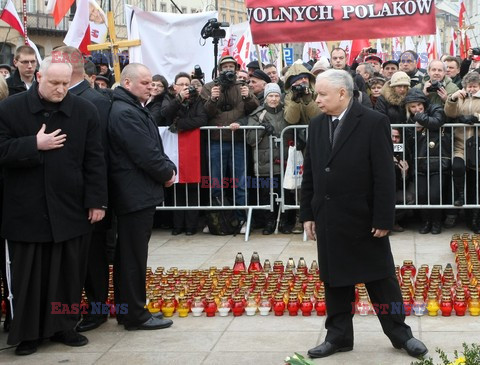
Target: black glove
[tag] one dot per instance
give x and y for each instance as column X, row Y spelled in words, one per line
column 420, row 118
column 467, row 119
column 269, row 130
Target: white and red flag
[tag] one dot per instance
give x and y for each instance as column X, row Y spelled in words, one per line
column 183, row 149
column 10, row 16
column 78, row 34
column 58, row 9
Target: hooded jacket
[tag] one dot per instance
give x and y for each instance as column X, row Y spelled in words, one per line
column 391, row 104
column 305, row 108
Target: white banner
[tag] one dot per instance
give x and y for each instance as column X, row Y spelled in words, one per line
column 171, row 43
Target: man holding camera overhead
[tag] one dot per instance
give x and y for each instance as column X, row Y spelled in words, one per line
column 227, row 103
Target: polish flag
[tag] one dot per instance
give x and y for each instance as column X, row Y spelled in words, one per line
column 183, row 149
column 432, row 48
column 453, row 44
column 461, row 14
column 10, row 16
column 397, row 48
column 422, row 50
column 357, row 46
column 58, row 9
column 78, row 35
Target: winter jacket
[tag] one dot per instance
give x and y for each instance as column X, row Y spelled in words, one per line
column 15, row 83
column 391, row 105
column 138, row 164
column 186, row 115
column 301, row 110
column 453, row 109
column 155, row 107
column 433, row 97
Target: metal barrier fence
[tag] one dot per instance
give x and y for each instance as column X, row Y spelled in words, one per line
column 229, row 179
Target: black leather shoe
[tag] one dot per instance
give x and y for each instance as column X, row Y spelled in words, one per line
column 177, row 231
column 158, row 315
column 152, row 323
column 327, row 349
column 190, row 232
column 414, row 347
column 26, row 348
column 426, row 228
column 70, row 338
column 436, row 228
column 90, row 322
column 269, row 228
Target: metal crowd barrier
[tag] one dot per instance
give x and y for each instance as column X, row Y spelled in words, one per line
column 205, row 198
column 296, row 135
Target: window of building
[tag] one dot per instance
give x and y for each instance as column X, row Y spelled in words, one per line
column 154, row 5
column 184, row 10
column 193, row 10
column 174, row 9
column 232, row 19
column 163, row 7
column 31, row 6
column 240, row 19
column 6, row 54
column 224, row 18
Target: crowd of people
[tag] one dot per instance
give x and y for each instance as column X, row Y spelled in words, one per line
column 81, row 154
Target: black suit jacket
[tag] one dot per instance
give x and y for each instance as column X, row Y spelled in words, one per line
column 347, row 191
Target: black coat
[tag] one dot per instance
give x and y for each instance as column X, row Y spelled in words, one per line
column 15, row 84
column 155, row 107
column 47, row 193
column 138, row 165
column 186, row 115
column 347, row 192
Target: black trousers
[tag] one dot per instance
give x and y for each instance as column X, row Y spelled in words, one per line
column 187, row 195
column 134, row 231
column 47, row 280
column 340, row 310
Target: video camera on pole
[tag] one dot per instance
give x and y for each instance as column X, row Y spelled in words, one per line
column 212, row 29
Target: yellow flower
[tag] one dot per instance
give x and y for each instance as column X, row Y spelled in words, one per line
column 459, row 361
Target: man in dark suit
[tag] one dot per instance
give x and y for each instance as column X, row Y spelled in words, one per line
column 96, row 281
column 347, row 205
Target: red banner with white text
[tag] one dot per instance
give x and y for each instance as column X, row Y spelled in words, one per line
column 284, row 21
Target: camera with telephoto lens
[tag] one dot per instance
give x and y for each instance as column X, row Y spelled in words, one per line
column 198, row 73
column 476, row 51
column 372, row 50
column 434, row 86
column 300, row 90
column 226, row 79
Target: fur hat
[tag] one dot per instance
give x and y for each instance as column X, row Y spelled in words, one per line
column 271, row 88
column 259, row 74
column 400, row 78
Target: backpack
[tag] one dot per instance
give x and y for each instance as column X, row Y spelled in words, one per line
column 472, row 152
column 222, row 222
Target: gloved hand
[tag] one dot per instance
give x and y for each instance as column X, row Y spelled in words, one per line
column 420, row 118
column 467, row 119
column 269, row 130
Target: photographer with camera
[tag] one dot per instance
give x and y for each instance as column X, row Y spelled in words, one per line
column 472, row 62
column 228, row 103
column 183, row 110
column 437, row 86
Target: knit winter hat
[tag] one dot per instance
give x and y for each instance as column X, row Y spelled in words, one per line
column 271, row 88
column 400, row 78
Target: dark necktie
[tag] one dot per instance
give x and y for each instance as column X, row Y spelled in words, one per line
column 332, row 129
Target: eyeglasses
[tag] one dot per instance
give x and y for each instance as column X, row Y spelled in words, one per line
column 182, row 84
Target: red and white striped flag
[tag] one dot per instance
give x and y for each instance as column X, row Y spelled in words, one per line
column 453, row 44
column 78, row 35
column 461, row 14
column 432, row 48
column 58, row 9
column 183, row 149
column 10, row 16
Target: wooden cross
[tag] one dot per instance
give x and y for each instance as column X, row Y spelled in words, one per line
column 114, row 45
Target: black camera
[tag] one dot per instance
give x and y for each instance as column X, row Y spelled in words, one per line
column 372, row 50
column 226, row 79
column 192, row 91
column 212, row 29
column 434, row 86
column 198, row 73
column 476, row 51
column 300, row 90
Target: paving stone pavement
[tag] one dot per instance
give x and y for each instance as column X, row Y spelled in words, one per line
column 257, row 340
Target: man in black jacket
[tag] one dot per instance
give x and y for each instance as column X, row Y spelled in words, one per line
column 347, row 205
column 96, row 281
column 55, row 189
column 26, row 62
column 139, row 169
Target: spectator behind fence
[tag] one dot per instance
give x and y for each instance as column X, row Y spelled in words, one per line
column 408, row 64
column 391, row 99
column 271, row 70
column 453, row 70
column 258, row 80
column 436, row 85
column 228, row 103
column 375, row 86
column 389, row 68
column 431, row 165
column 184, row 111
column 270, row 116
column 465, row 106
column 25, row 62
column 401, row 156
column 154, row 103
